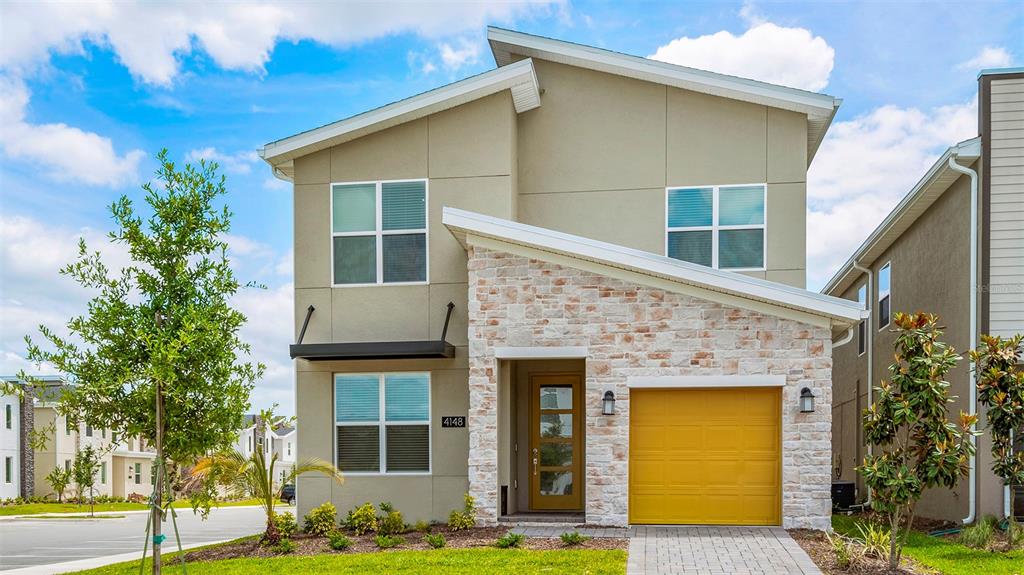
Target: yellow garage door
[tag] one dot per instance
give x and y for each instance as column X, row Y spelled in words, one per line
column 704, row 456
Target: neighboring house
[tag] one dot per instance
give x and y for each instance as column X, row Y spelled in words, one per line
column 251, row 436
column 577, row 369
column 125, row 465
column 919, row 259
column 284, row 443
column 16, row 419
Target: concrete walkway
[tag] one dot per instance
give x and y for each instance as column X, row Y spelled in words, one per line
column 716, row 551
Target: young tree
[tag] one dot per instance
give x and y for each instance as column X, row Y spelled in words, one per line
column 161, row 356
column 916, row 445
column 59, row 479
column 1001, row 390
column 83, row 471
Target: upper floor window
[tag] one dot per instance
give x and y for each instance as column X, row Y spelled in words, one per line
column 8, row 416
column 289, row 449
column 717, row 226
column 379, row 232
column 88, row 430
column 884, row 295
column 382, row 422
column 862, row 298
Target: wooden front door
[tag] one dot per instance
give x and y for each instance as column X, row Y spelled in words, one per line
column 556, row 442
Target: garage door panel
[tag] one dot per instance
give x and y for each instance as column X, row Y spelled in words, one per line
column 705, row 456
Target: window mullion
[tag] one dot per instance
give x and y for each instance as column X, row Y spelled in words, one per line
column 380, row 228
column 714, row 227
column 383, row 428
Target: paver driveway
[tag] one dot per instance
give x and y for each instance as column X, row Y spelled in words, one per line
column 706, row 550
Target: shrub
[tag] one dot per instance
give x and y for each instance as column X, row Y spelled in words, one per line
column 284, row 546
column 339, row 541
column 1015, row 533
column 465, row 519
column 362, row 519
column 875, row 539
column 388, row 541
column 285, row 523
column 391, row 523
column 320, row 520
column 423, row 526
column 978, row 535
column 842, row 550
column 435, row 540
column 574, row 538
column 510, row 540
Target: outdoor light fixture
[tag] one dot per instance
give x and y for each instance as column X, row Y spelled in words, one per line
column 609, row 403
column 806, row 400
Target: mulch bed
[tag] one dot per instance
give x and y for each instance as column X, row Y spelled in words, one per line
column 817, row 546
column 469, row 538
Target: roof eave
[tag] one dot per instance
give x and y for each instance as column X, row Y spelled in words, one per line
column 968, row 150
column 463, row 224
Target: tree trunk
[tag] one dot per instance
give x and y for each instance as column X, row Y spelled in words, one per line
column 894, row 527
column 158, row 488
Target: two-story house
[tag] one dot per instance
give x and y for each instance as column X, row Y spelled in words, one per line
column 17, row 476
column 574, row 285
column 954, row 246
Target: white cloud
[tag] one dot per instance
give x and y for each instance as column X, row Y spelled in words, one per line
column 466, row 53
column 788, row 56
column 32, row 292
column 237, row 163
column 150, row 38
column 988, row 57
column 862, row 170
column 65, row 153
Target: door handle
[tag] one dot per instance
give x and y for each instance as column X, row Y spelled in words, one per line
column 535, row 461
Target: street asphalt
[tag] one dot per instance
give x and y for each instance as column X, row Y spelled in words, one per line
column 39, row 542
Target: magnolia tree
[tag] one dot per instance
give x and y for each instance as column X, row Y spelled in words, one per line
column 916, row 446
column 158, row 353
column 1001, row 390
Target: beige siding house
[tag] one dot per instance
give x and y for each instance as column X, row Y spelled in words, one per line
column 571, row 285
column 919, row 258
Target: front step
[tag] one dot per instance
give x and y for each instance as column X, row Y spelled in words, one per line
column 543, row 520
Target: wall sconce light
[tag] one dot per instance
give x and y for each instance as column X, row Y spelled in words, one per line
column 608, row 404
column 806, row 400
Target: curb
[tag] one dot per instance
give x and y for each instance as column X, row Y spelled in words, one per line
column 93, row 562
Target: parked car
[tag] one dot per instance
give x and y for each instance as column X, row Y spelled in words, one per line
column 288, row 494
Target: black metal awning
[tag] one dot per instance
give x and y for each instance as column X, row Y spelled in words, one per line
column 427, row 349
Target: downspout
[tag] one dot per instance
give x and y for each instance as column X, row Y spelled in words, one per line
column 869, row 344
column 973, row 401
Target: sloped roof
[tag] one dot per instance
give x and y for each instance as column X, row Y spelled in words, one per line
column 728, row 288
column 928, row 189
column 819, row 108
column 519, row 78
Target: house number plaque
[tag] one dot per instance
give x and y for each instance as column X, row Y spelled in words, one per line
column 453, row 421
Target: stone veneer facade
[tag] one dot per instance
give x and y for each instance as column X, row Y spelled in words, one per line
column 632, row 330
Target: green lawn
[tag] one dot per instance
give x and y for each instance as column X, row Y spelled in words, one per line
column 947, row 556
column 446, row 561
column 42, row 508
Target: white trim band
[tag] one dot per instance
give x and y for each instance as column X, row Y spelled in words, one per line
column 703, row 381
column 552, row 352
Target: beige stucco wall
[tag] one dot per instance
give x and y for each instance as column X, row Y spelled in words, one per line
column 596, row 156
column 930, row 273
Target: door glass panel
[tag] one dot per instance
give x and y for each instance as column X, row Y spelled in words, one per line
column 556, row 483
column 556, row 425
column 556, row 398
column 556, row 454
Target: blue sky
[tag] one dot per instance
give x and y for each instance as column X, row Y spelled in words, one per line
column 89, row 93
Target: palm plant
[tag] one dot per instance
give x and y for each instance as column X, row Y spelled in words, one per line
column 254, row 477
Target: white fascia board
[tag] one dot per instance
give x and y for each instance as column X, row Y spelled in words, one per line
column 504, row 41
column 520, row 78
column 968, row 150
column 463, row 223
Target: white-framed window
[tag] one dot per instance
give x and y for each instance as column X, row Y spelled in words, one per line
column 88, row 430
column 884, row 295
column 103, row 473
column 379, row 233
column 382, row 423
column 9, row 470
column 138, row 474
column 862, row 327
column 8, row 416
column 250, row 444
column 717, row 226
column 289, row 449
